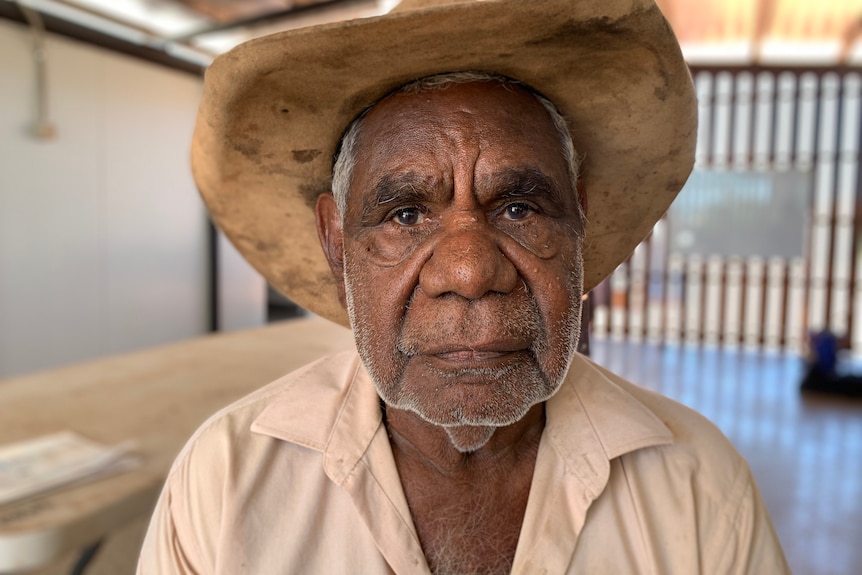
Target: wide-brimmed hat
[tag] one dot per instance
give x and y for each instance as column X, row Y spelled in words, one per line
column 274, row 110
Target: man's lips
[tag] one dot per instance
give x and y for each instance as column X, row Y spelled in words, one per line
column 463, row 355
column 469, row 349
column 457, row 360
column 470, row 355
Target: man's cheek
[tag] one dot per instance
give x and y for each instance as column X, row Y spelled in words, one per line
column 539, row 237
column 391, row 247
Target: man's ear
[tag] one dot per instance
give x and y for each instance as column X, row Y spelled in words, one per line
column 331, row 235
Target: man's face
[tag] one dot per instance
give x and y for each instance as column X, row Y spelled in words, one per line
column 462, row 254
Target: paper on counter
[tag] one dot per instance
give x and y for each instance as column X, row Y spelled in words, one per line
column 45, row 463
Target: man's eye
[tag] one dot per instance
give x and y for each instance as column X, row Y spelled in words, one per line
column 517, row 211
column 408, row 216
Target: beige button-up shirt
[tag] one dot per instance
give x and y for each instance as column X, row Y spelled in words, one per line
column 299, row 478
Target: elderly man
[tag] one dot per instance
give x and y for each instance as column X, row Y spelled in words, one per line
column 460, row 230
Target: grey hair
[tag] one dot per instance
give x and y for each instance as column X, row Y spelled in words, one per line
column 345, row 156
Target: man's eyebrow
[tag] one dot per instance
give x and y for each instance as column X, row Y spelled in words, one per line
column 406, row 187
column 524, row 182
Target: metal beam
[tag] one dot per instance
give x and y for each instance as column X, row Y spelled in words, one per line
column 11, row 11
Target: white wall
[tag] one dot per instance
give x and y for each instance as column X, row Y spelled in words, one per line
column 102, row 233
column 242, row 297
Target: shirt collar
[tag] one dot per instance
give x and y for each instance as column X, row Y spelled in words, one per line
column 332, row 406
column 593, row 419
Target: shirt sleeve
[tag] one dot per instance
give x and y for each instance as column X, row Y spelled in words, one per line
column 163, row 551
column 751, row 546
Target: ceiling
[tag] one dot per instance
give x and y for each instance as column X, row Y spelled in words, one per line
column 190, row 33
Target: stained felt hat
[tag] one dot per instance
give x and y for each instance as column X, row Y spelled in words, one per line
column 274, row 110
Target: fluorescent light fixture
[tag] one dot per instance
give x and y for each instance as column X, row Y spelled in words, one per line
column 800, row 53
column 714, row 53
column 129, row 33
column 188, row 53
column 87, row 20
column 221, row 41
column 159, row 16
column 772, row 52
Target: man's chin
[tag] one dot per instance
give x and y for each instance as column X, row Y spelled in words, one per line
column 447, row 411
column 470, row 438
column 470, row 398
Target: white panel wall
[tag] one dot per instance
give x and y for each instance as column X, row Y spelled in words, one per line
column 242, row 291
column 102, row 234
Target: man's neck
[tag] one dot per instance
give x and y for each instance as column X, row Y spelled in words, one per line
column 442, row 448
column 467, row 508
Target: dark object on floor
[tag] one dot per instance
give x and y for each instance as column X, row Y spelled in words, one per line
column 821, row 374
column 816, row 381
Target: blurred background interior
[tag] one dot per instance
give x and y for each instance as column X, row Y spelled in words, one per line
column 105, row 247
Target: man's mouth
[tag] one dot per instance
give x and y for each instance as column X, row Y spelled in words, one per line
column 470, row 355
column 473, row 350
column 458, row 358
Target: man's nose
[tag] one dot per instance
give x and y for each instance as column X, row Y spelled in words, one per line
column 467, row 261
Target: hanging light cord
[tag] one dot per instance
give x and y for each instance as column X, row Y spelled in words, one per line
column 42, row 128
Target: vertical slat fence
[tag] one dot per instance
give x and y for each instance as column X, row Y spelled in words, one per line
column 807, row 122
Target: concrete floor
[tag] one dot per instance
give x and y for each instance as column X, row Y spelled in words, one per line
column 805, row 451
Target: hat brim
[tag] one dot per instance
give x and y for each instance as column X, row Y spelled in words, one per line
column 274, row 109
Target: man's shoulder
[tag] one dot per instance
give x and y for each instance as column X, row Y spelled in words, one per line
column 319, row 383
column 689, row 486
column 694, row 435
column 695, row 441
column 692, row 466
